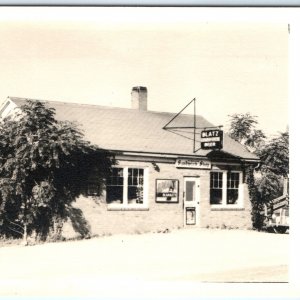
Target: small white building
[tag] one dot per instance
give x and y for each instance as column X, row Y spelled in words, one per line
column 158, row 181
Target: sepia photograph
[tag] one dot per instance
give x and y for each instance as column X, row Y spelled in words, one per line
column 144, row 152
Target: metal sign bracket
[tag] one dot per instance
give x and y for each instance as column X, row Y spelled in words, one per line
column 194, row 128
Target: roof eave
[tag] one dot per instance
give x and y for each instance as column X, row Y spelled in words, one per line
column 175, row 155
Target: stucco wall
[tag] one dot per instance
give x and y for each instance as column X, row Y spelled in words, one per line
column 160, row 216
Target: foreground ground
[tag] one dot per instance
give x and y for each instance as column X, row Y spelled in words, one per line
column 128, row 262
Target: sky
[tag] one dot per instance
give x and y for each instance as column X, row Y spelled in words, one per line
column 96, row 56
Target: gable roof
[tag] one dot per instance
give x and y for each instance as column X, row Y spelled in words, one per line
column 131, row 130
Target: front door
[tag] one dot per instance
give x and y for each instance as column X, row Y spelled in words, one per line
column 191, row 201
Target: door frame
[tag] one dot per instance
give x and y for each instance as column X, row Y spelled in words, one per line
column 194, row 204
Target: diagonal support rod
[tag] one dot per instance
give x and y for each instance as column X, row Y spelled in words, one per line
column 165, row 127
column 194, row 128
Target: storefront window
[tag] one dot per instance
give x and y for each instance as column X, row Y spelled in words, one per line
column 224, row 188
column 125, row 187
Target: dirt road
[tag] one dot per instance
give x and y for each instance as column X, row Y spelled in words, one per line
column 110, row 264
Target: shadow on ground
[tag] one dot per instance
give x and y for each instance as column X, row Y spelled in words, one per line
column 79, row 223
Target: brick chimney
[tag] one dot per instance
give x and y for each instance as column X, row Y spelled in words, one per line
column 139, row 98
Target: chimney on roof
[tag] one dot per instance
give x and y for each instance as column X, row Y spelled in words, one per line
column 139, row 98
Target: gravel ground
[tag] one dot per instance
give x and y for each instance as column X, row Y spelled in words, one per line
column 126, row 263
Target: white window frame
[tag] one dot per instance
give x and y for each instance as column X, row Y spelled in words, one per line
column 240, row 200
column 125, row 205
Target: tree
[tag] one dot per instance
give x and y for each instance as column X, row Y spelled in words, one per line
column 275, row 154
column 265, row 183
column 274, row 168
column 242, row 129
column 43, row 165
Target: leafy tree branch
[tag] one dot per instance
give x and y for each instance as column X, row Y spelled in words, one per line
column 44, row 164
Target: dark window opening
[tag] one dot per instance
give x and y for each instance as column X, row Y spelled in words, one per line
column 216, row 185
column 114, row 187
column 233, row 181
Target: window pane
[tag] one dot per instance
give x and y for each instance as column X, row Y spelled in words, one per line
column 220, row 175
column 135, row 186
column 114, row 194
column 114, row 187
column 119, row 181
column 216, row 180
column 135, row 195
column 232, row 196
column 135, row 176
column 216, row 196
column 190, row 190
column 141, row 181
column 216, row 184
column 116, row 177
column 233, row 180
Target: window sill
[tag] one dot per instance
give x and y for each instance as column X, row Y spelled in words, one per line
column 232, row 208
column 127, row 208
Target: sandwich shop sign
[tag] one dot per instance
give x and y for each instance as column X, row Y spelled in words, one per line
column 192, row 163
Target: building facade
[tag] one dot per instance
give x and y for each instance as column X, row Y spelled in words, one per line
column 158, row 182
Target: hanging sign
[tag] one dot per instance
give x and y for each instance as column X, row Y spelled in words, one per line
column 212, row 139
column 193, row 163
